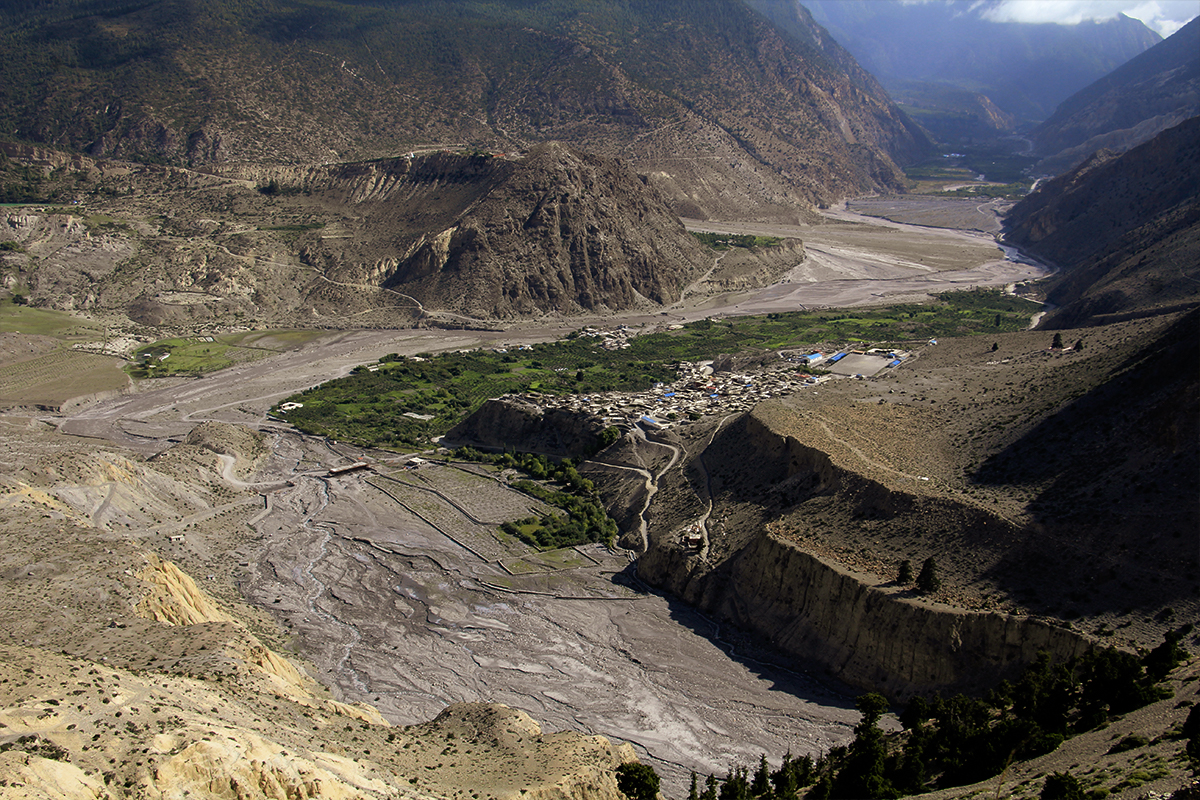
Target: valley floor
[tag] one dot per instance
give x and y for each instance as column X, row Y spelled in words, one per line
column 366, row 575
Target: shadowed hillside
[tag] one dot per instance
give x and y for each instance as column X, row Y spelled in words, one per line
column 698, row 95
column 1124, row 230
column 1151, row 92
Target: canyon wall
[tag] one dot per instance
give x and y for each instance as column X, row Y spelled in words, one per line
column 870, row 638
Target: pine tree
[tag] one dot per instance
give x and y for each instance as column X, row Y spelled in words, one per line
column 761, row 785
column 862, row 774
column 693, row 793
column 905, row 576
column 1057, row 344
column 928, row 581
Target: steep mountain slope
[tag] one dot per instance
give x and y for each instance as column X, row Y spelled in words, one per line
column 1125, row 230
column 1151, row 92
column 1025, row 69
column 708, row 98
column 391, row 242
column 1046, row 484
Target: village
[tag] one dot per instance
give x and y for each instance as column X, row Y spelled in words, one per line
column 701, row 391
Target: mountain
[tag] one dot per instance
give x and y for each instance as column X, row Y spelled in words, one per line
column 1154, row 91
column 558, row 231
column 724, row 112
column 390, row 242
column 1025, row 69
column 1125, row 230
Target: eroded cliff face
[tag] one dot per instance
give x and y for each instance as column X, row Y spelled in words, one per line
column 761, row 570
column 870, row 637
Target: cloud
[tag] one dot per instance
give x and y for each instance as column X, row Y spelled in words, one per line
column 1164, row 16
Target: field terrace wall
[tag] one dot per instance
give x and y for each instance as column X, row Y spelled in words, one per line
column 827, row 617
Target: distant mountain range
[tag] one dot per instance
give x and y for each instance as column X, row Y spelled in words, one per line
column 928, row 55
column 725, row 113
column 1150, row 93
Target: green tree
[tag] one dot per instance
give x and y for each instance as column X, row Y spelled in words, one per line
column 710, row 788
column 905, row 576
column 638, row 781
column 693, row 792
column 862, row 773
column 761, row 785
column 1057, row 343
column 928, row 581
column 609, row 435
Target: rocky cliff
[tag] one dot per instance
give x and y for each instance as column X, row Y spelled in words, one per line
column 867, row 635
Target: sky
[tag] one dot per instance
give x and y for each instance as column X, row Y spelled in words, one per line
column 1163, row 16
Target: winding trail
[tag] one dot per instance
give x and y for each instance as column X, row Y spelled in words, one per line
column 651, row 480
column 703, row 521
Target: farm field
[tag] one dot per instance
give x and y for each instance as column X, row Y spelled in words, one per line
column 51, row 380
column 204, row 354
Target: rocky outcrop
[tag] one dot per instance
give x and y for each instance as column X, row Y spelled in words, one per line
column 559, row 231
column 510, row 423
column 174, row 598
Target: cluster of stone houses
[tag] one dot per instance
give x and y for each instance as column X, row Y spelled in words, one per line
column 697, row 392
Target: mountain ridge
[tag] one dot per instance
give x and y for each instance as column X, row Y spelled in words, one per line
column 1024, row 68
column 1151, row 92
column 1124, row 229
column 777, row 126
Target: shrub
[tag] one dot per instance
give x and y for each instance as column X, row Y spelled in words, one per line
column 928, row 581
column 1131, row 742
column 1062, row 786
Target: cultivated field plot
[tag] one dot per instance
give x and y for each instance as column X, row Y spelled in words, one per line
column 854, row 364
column 563, row 558
column 442, row 512
column 51, row 380
column 481, row 497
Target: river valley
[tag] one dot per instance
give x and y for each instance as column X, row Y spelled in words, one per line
column 394, row 608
